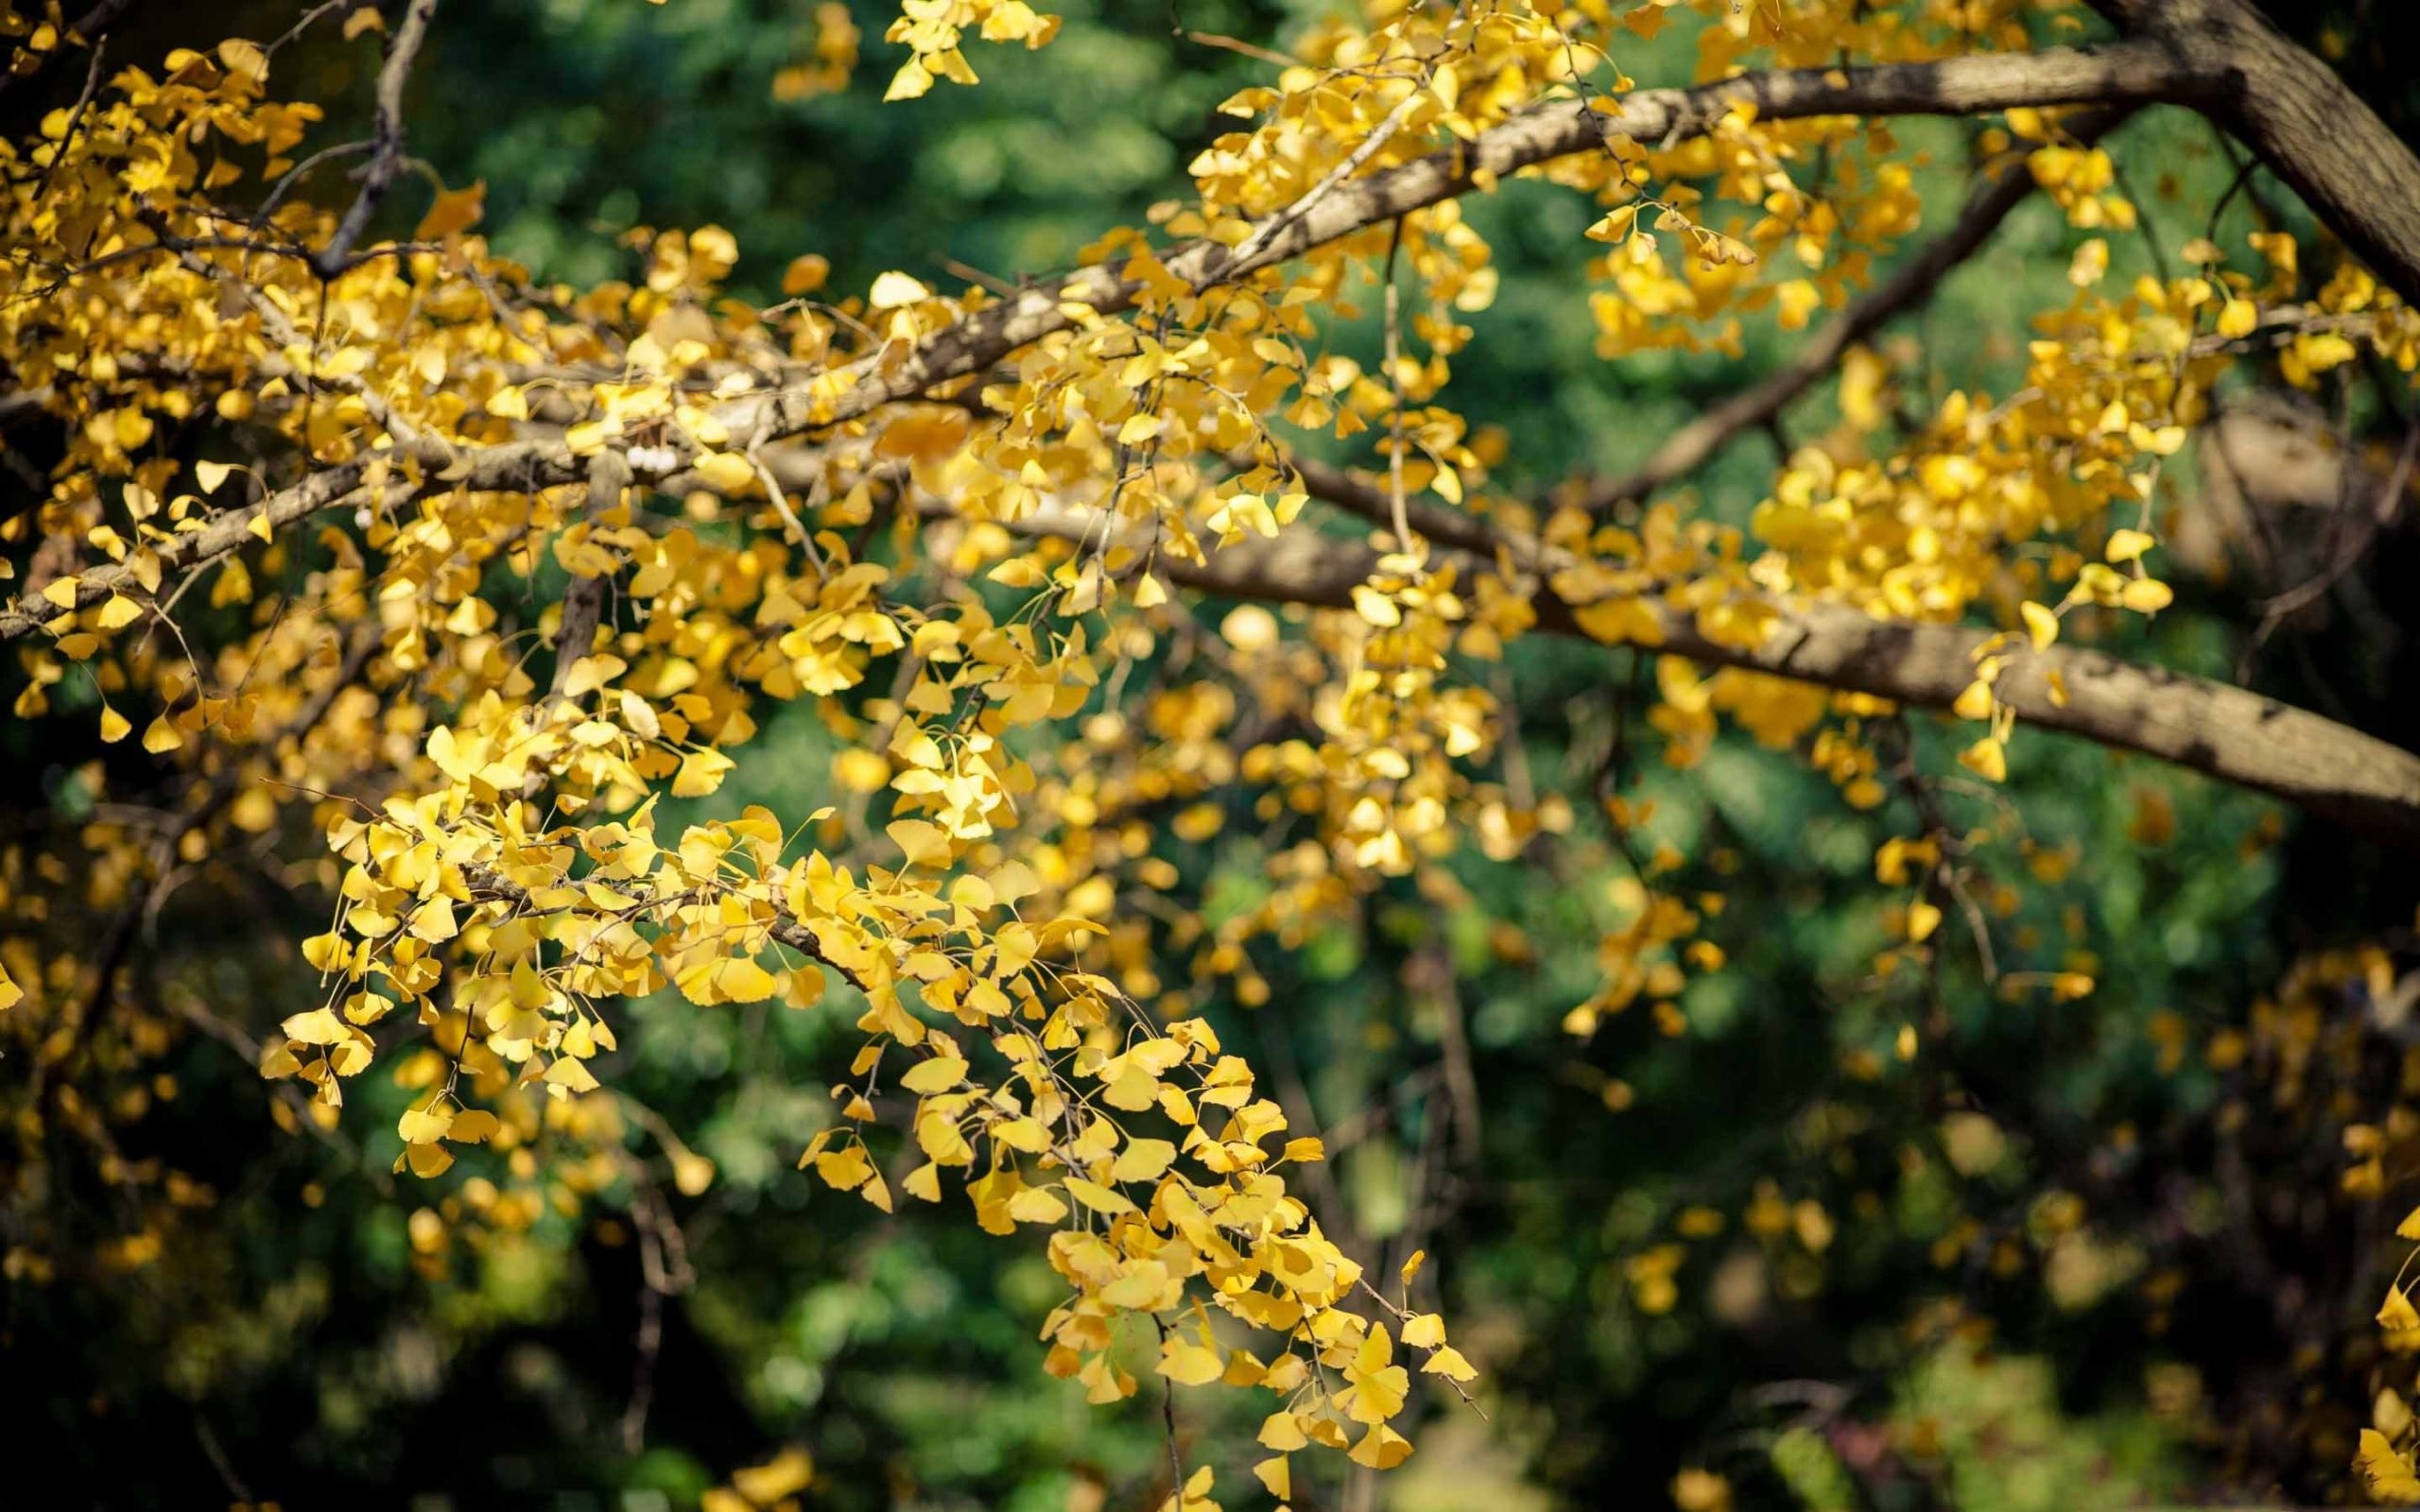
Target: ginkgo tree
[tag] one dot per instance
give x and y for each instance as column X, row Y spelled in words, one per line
column 428, row 587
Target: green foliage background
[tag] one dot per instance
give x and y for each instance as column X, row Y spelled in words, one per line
column 296, row 1352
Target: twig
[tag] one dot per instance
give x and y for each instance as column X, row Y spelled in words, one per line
column 2390, row 499
column 387, row 153
column 782, row 505
column 1947, row 843
column 1277, row 225
column 1394, row 388
column 75, row 117
column 1167, row 1416
column 663, row 1271
column 312, row 18
column 976, row 275
column 651, row 1346
column 1233, row 44
column 214, row 1451
column 1461, row 1080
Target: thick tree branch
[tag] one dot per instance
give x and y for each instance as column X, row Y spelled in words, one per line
column 2328, row 770
column 329, row 489
column 1446, row 527
column 2303, row 121
column 2128, row 73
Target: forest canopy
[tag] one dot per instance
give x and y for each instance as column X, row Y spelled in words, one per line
column 773, row 754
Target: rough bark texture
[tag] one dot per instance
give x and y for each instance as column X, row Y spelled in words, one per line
column 2329, row 770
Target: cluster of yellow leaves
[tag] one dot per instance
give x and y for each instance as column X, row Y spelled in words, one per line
column 2388, row 1459
column 461, row 906
column 773, row 1487
column 771, row 512
column 1650, row 952
column 2113, row 388
column 932, row 30
column 835, row 56
column 541, row 944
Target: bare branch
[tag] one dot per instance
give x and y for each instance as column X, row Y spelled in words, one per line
column 386, row 138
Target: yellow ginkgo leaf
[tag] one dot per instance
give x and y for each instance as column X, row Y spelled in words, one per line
column 894, row 289
column 1275, row 1474
column 1280, row 1432
column 2040, row 624
column 2146, row 596
column 1987, row 758
column 937, row 1074
column 741, row 980
column 2396, row 1313
column 2386, row 1472
column 701, row 772
column 1381, row 1449
column 1448, row 1362
column 1189, row 1364
column 1142, row 1161
column 2127, row 545
column 454, row 211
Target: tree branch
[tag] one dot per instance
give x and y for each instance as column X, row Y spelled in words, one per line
column 386, row 138
column 2328, row 770
column 1446, row 527
column 328, row 489
column 2134, row 72
column 2127, row 72
column 2310, row 128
